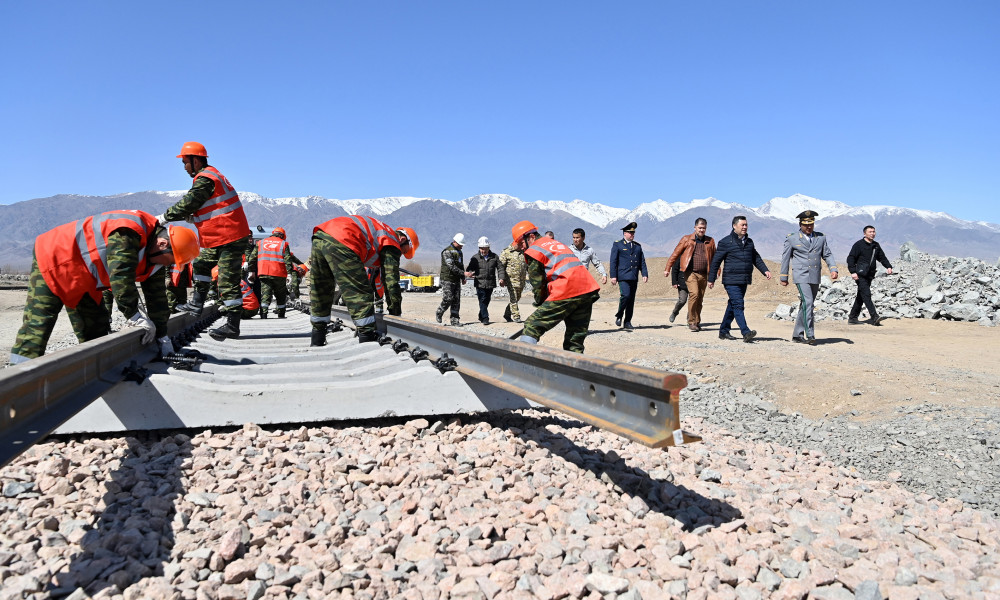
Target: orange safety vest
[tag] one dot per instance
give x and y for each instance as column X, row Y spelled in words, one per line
column 250, row 301
column 221, row 219
column 73, row 258
column 366, row 236
column 177, row 271
column 565, row 275
column 271, row 257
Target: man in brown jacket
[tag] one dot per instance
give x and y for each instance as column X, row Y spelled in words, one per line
column 695, row 253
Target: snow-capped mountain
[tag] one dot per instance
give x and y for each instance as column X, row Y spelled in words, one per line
column 436, row 220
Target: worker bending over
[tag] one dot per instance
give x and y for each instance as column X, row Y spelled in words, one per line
column 75, row 262
column 342, row 249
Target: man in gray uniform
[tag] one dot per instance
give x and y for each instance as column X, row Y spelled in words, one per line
column 803, row 251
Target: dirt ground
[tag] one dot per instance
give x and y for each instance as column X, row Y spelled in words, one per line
column 903, row 362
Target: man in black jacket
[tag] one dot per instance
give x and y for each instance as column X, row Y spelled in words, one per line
column 740, row 256
column 861, row 264
column 484, row 267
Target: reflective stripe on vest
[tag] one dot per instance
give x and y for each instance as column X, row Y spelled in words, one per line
column 372, row 233
column 221, row 204
column 271, row 260
column 96, row 258
column 563, row 279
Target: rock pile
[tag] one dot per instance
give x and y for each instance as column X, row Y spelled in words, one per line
column 922, row 286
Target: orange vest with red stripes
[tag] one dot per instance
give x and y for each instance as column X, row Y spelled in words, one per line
column 366, row 236
column 177, row 271
column 221, row 219
column 73, row 258
column 250, row 301
column 565, row 276
column 271, row 257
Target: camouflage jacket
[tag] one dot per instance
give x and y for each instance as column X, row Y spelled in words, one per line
column 124, row 246
column 451, row 264
column 201, row 190
column 512, row 263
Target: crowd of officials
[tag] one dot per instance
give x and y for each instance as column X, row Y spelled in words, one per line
column 88, row 264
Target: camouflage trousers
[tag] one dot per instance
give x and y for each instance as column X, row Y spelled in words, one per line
column 293, row 287
column 514, row 295
column 451, row 296
column 575, row 312
column 229, row 257
column 175, row 296
column 271, row 285
column 90, row 319
column 335, row 265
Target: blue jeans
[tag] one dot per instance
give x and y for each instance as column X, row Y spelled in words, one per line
column 734, row 309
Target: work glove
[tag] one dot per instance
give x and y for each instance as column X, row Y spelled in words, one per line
column 251, row 277
column 166, row 346
column 141, row 320
column 161, row 219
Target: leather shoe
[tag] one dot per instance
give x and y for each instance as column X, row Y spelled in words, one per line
column 618, row 321
column 727, row 336
column 811, row 341
column 628, row 324
column 672, row 317
column 877, row 321
column 800, row 340
column 694, row 328
column 749, row 336
column 853, row 322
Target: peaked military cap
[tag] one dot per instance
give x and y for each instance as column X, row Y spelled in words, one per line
column 807, row 217
column 630, row 227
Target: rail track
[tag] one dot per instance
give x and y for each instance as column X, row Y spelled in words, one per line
column 271, row 376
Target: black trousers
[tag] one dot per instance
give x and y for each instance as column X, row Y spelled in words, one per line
column 864, row 297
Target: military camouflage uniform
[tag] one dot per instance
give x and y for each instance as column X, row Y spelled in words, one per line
column 512, row 264
column 176, row 294
column 229, row 256
column 296, row 279
column 452, row 278
column 575, row 312
column 331, row 262
column 91, row 319
column 270, row 284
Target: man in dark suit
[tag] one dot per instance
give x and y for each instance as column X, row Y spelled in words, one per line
column 627, row 262
column 738, row 252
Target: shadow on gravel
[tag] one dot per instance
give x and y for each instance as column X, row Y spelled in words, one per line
column 691, row 509
column 133, row 536
column 825, row 341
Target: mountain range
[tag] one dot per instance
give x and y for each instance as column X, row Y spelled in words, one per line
column 660, row 224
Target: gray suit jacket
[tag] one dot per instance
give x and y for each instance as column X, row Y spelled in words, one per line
column 803, row 256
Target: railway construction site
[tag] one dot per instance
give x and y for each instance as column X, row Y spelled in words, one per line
column 863, row 467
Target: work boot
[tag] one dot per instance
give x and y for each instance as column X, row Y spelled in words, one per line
column 456, row 323
column 263, row 314
column 281, row 313
column 438, row 314
column 195, row 306
column 367, row 336
column 318, row 337
column 230, row 330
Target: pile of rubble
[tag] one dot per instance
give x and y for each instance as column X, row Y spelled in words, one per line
column 921, row 286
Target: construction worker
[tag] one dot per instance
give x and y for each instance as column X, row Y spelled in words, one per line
column 564, row 289
column 179, row 279
column 297, row 275
column 251, row 305
column 512, row 265
column 342, row 249
column 214, row 207
column 75, row 262
column 452, row 279
column 271, row 261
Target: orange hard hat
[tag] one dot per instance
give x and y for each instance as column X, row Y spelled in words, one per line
column 279, row 231
column 184, row 243
column 521, row 229
column 192, row 149
column 413, row 239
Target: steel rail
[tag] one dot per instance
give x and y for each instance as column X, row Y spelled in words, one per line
column 634, row 402
column 39, row 395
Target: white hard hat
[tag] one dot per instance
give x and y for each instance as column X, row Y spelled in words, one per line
column 484, row 242
column 459, row 239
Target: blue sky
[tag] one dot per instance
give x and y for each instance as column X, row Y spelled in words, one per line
column 619, row 103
